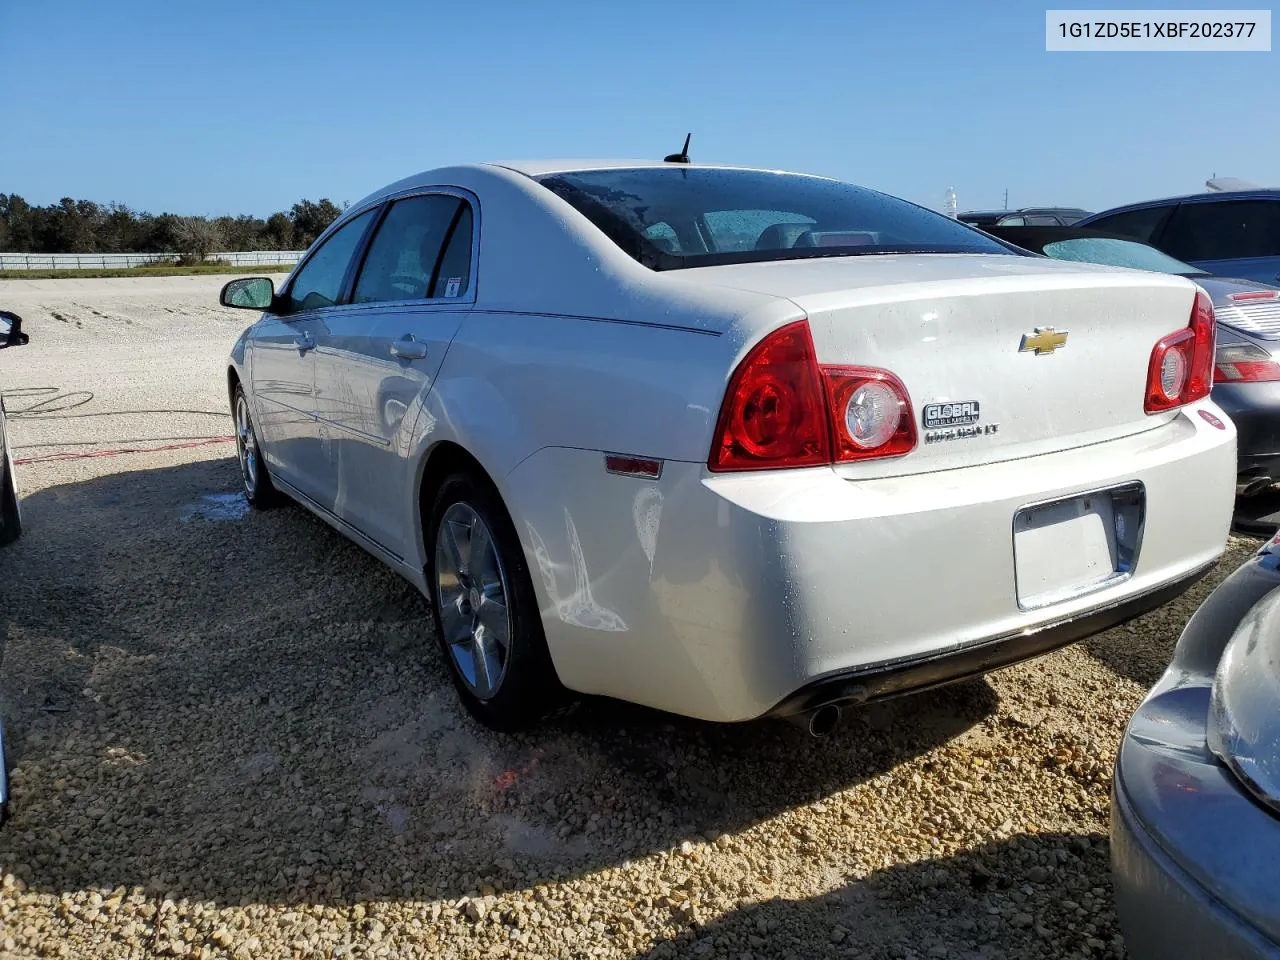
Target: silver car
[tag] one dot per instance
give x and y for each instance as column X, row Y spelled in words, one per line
column 1195, row 823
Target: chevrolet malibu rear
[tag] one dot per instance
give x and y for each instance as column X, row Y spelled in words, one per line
column 737, row 443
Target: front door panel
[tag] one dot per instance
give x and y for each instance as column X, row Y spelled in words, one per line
column 282, row 373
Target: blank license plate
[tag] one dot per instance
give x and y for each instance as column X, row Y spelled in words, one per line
column 1065, row 548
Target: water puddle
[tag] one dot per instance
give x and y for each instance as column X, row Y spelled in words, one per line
column 218, row 507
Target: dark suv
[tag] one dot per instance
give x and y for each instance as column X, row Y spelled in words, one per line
column 1233, row 234
column 1024, row 217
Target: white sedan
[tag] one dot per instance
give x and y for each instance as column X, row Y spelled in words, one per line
column 731, row 442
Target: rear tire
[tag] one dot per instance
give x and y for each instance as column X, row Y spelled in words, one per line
column 10, row 513
column 484, row 609
column 254, row 479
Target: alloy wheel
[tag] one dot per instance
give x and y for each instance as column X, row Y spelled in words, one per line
column 471, row 590
column 246, row 446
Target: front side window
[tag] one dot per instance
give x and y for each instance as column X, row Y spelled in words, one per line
column 404, row 254
column 1140, row 224
column 319, row 282
column 1225, row 230
column 752, row 215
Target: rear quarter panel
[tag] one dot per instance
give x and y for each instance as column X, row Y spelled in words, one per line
column 513, row 384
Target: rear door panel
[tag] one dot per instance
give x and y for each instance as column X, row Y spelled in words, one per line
column 380, row 354
column 362, row 395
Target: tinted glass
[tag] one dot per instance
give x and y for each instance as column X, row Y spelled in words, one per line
column 1139, row 224
column 454, row 276
column 402, row 258
column 1018, row 221
column 1225, row 230
column 664, row 237
column 319, row 282
column 1116, row 253
column 741, row 229
column 1040, row 220
column 751, row 215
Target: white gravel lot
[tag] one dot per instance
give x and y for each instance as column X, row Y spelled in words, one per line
column 234, row 736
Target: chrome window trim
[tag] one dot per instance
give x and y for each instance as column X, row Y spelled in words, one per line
column 385, row 201
column 466, row 196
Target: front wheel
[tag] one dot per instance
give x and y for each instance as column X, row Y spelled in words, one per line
column 486, row 617
column 253, row 468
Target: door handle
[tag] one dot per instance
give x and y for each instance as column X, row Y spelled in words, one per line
column 304, row 343
column 407, row 348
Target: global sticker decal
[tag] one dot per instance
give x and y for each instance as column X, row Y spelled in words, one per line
column 958, row 413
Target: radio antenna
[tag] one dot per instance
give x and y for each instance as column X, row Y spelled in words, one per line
column 683, row 155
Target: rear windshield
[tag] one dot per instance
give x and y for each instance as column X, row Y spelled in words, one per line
column 1118, row 253
column 669, row 218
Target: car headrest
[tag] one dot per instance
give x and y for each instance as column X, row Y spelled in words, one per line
column 781, row 236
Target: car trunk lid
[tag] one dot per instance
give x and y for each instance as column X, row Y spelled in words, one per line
column 1003, row 356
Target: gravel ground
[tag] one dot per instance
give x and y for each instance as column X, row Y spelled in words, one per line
column 234, row 736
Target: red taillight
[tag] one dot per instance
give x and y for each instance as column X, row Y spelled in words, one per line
column 1243, row 362
column 782, row 410
column 1181, row 367
column 773, row 413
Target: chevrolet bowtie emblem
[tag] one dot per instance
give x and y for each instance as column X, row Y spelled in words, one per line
column 1044, row 340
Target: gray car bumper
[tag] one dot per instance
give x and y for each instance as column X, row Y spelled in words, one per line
column 4, row 779
column 1195, row 859
column 1163, row 911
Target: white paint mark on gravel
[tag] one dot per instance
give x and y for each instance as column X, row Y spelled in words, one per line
column 218, row 507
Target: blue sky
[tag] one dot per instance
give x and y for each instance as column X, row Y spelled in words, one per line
column 244, row 107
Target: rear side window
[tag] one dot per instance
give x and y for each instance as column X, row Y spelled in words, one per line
column 753, row 215
column 319, row 282
column 402, row 259
column 1224, row 230
column 1041, row 220
column 453, row 278
column 1139, row 224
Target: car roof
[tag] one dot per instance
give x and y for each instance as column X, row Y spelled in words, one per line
column 541, row 168
column 1210, row 196
column 1014, row 212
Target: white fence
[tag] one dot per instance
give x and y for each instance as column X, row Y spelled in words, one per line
column 120, row 261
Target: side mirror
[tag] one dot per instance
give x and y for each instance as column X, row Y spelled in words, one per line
column 251, row 293
column 11, row 334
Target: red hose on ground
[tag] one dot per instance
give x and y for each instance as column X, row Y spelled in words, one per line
column 51, row 457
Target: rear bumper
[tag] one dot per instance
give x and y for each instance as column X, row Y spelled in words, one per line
column 895, row 679
column 728, row 597
column 1255, row 410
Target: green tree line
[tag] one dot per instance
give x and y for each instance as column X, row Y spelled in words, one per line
column 82, row 226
